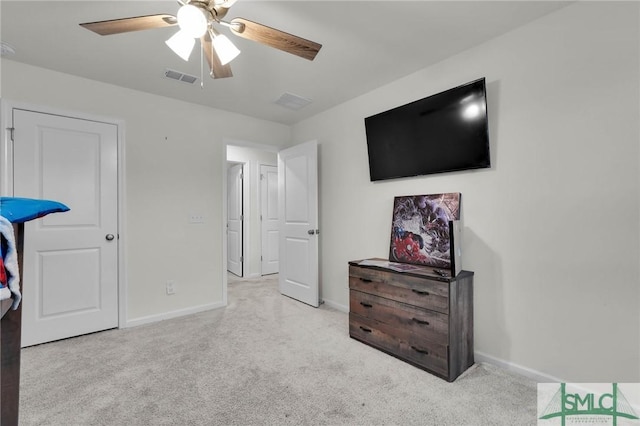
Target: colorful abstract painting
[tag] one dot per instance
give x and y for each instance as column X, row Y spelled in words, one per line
column 420, row 232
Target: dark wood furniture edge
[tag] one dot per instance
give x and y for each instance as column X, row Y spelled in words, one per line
column 10, row 342
column 5, row 305
column 405, row 360
column 461, row 324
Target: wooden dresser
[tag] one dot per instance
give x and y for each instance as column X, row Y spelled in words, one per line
column 417, row 316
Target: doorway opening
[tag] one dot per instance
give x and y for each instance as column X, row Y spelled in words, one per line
column 259, row 197
column 297, row 229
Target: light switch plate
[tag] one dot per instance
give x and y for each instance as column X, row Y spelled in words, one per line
column 196, row 218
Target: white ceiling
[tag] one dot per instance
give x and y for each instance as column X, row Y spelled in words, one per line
column 366, row 44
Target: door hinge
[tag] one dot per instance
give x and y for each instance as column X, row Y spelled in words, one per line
column 241, row 217
column 241, row 259
column 11, row 132
column 261, row 176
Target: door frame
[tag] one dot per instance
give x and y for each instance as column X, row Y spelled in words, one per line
column 235, row 142
column 6, row 177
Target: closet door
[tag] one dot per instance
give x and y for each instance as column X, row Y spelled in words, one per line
column 70, row 268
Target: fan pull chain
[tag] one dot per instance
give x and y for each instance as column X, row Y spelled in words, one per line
column 201, row 65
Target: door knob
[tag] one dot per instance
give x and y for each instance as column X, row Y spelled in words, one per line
column 109, row 237
column 311, row 231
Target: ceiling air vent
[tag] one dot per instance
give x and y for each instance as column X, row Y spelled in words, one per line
column 291, row 101
column 177, row 75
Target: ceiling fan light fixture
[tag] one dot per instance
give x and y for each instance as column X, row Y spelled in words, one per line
column 192, row 21
column 225, row 49
column 181, row 44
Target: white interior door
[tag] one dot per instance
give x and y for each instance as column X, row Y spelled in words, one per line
column 234, row 219
column 269, row 218
column 70, row 272
column 298, row 213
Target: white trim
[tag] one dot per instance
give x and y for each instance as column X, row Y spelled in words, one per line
column 338, row 306
column 246, row 216
column 6, row 178
column 260, row 230
column 223, row 267
column 123, row 283
column 173, row 314
column 6, row 149
column 59, row 112
column 532, row 374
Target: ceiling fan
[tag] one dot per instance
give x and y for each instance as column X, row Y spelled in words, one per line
column 198, row 19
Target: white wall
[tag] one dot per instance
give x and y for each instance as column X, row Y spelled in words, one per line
column 174, row 167
column 552, row 229
column 253, row 158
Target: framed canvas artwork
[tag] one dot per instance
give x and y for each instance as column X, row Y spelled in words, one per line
column 422, row 230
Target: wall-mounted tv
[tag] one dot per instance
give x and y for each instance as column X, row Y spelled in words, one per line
column 444, row 132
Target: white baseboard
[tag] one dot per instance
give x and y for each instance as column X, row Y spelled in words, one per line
column 534, row 375
column 530, row 373
column 172, row 314
column 338, row 306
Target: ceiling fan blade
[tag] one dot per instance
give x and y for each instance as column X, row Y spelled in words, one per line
column 217, row 69
column 124, row 25
column 275, row 38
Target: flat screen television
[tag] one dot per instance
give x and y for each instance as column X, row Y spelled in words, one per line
column 444, row 132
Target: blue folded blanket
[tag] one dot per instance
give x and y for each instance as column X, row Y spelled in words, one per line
column 17, row 210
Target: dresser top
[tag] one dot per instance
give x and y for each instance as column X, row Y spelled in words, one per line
column 430, row 272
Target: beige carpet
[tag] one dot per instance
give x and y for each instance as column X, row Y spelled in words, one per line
column 264, row 359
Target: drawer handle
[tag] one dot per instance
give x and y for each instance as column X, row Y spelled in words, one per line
column 422, row 351
column 366, row 330
column 366, row 305
column 365, row 280
column 421, row 293
column 419, row 321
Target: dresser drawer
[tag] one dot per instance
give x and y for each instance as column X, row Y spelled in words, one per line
column 424, row 293
column 410, row 347
column 406, row 319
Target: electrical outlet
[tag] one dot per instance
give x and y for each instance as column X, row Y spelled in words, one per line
column 171, row 287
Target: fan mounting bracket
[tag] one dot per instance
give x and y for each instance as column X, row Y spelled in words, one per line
column 215, row 12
